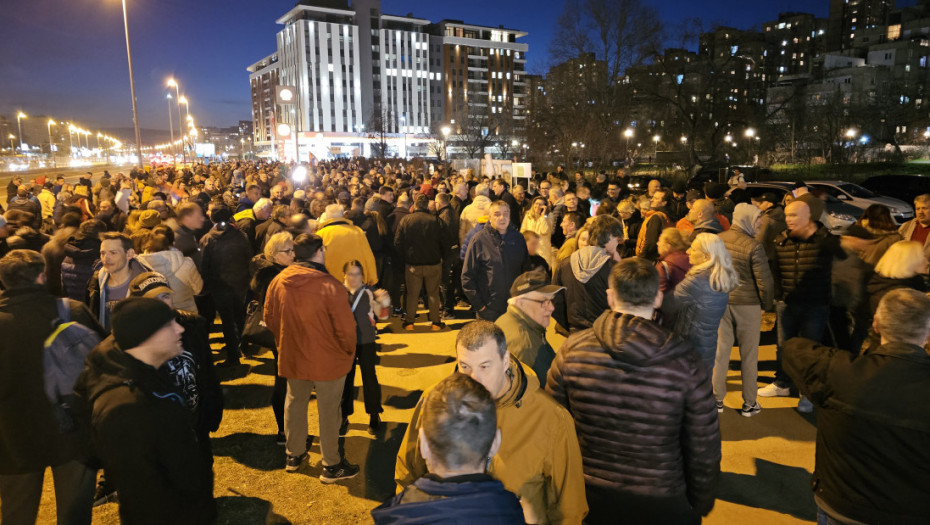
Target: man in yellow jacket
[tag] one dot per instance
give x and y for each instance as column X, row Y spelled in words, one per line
column 345, row 242
column 539, row 459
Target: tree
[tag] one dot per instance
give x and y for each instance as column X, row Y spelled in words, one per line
column 378, row 127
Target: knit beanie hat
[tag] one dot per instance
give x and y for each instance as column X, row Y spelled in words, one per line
column 149, row 219
column 135, row 319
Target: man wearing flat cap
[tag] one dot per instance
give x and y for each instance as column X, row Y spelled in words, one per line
column 140, row 427
column 529, row 310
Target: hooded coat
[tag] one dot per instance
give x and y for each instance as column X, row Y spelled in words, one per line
column 182, row 275
column 469, row 218
column 346, row 242
column 312, row 322
column 143, row 434
column 526, row 340
column 538, row 459
column 643, row 408
column 756, row 284
column 585, row 275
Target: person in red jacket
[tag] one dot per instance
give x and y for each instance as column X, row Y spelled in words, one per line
column 307, row 311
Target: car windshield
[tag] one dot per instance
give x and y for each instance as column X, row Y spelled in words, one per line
column 857, row 191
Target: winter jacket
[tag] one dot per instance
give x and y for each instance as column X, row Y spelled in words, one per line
column 197, row 361
column 185, row 240
column 307, row 311
column 476, row 499
column 699, row 310
column 450, row 231
column 81, row 259
column 516, row 215
column 263, row 272
column 872, row 453
column 870, row 250
column 724, row 206
column 393, row 220
column 247, row 223
column 711, row 225
column 54, row 254
column 265, row 231
column 491, row 265
column 364, row 315
column 469, row 217
column 526, row 340
column 419, row 239
column 143, row 434
column 647, row 240
column 479, row 226
column 878, row 286
column 538, row 459
column 773, row 223
column 643, row 408
column 225, row 253
column 29, row 437
column 27, row 205
column 803, row 267
column 756, row 285
column 585, row 276
column 672, row 268
column 907, row 230
column 182, row 275
column 346, row 242
column 686, row 227
column 631, row 228
column 97, row 299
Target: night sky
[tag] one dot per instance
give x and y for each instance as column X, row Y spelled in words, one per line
column 67, row 58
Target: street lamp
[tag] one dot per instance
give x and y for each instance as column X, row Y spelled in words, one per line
column 51, row 145
column 132, row 87
column 655, row 140
column 850, row 133
column 403, row 122
column 19, row 124
column 171, row 119
column 628, row 134
column 187, row 110
column 11, row 137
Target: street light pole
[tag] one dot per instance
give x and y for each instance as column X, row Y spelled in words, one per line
column 170, row 122
column 51, row 145
column 132, row 87
column 19, row 124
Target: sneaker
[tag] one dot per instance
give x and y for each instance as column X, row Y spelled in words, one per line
column 398, row 312
column 374, row 424
column 105, row 494
column 438, row 326
column 344, row 470
column 805, row 406
column 773, row 390
column 280, row 439
column 344, row 427
column 749, row 411
column 720, row 407
column 408, row 327
column 292, row 463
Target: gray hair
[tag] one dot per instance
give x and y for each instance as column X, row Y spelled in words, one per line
column 903, row 316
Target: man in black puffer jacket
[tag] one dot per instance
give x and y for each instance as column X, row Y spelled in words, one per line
column 140, row 427
column 643, row 408
column 802, row 269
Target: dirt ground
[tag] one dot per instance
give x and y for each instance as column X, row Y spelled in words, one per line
column 767, row 459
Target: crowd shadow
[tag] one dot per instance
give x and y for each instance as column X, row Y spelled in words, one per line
column 393, row 347
column 246, row 396
column 376, row 455
column 775, row 487
column 246, row 509
column 400, row 398
column 256, row 451
column 415, row 360
column 771, row 422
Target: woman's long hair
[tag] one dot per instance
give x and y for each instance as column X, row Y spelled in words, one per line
column 723, row 277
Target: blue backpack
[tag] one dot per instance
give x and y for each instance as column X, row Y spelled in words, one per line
column 63, row 358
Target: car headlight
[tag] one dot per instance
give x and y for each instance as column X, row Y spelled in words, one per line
column 844, row 217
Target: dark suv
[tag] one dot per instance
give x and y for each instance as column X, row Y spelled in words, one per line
column 902, row 187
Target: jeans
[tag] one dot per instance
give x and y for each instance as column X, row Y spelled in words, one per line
column 278, row 394
column 451, row 281
column 74, row 495
column 328, row 397
column 797, row 320
column 416, row 278
column 743, row 321
column 231, row 308
column 366, row 356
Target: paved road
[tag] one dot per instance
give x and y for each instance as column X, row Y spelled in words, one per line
column 71, row 174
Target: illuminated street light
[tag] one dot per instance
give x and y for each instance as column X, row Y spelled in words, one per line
column 19, row 117
column 655, row 140
column 728, row 139
column 684, row 139
column 750, row 133
column 132, row 87
column 851, row 133
column 628, row 134
column 11, row 137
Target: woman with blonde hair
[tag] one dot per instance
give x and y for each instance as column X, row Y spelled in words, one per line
column 673, row 266
column 902, row 266
column 703, row 295
column 540, row 222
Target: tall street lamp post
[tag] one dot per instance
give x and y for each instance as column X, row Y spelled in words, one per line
column 132, row 87
column 51, row 145
column 171, row 120
column 655, row 156
column 19, row 124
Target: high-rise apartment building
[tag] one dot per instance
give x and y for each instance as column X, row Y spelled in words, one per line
column 359, row 72
column 847, row 17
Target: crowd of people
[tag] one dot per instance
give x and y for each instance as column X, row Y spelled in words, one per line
column 111, row 288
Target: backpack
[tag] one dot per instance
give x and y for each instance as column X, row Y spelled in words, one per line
column 63, row 355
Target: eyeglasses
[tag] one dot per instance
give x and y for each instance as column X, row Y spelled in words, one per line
column 544, row 302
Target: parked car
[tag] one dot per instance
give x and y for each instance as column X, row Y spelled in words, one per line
column 861, row 197
column 639, row 184
column 723, row 173
column 902, row 187
column 837, row 215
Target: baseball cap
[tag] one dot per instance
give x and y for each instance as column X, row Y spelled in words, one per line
column 534, row 281
column 149, row 284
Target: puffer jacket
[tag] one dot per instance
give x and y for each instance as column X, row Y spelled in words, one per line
column 225, row 253
column 643, row 409
column 469, row 217
column 879, row 285
column 585, row 275
column 773, row 223
column 756, row 285
column 458, row 500
column 81, row 259
column 539, row 459
column 346, row 242
column 803, row 267
column 419, row 239
column 182, row 275
column 699, row 310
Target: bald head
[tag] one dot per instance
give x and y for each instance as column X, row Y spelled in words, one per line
column 703, row 210
column 797, row 215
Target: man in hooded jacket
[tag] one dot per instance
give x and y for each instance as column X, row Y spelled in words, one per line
column 585, row 276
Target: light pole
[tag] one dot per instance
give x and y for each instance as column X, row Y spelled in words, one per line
column 19, row 124
column 655, row 140
column 187, row 113
column 71, row 139
column 51, row 145
column 171, row 120
column 750, row 133
column 403, row 126
column 445, row 130
column 11, row 137
column 132, row 87
column 177, row 92
column 628, row 134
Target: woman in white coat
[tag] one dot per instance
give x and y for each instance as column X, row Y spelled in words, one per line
column 539, row 221
column 180, row 271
